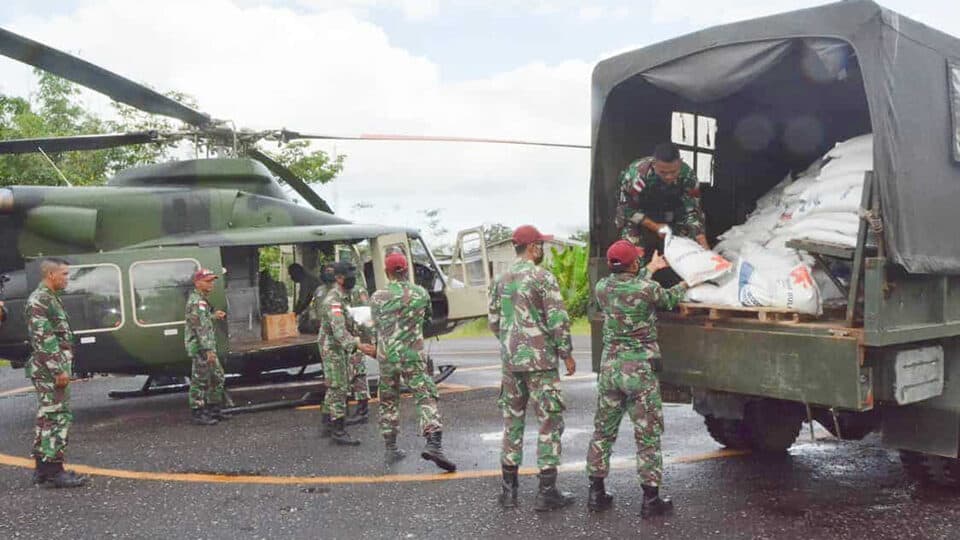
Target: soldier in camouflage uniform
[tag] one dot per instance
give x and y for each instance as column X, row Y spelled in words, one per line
column 49, row 368
column 398, row 313
column 207, row 393
column 657, row 191
column 527, row 315
column 628, row 299
column 337, row 344
column 359, row 388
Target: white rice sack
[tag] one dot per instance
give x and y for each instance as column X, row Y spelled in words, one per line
column 361, row 314
column 774, row 197
column 855, row 146
column 847, row 165
column 815, row 235
column 777, row 278
column 842, row 222
column 802, row 184
column 693, row 263
column 723, row 293
column 828, row 289
column 846, row 200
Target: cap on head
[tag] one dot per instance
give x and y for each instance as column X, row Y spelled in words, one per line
column 395, row 262
column 344, row 268
column 621, row 254
column 528, row 234
column 204, row 274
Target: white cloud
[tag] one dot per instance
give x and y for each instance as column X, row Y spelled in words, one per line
column 412, row 10
column 332, row 72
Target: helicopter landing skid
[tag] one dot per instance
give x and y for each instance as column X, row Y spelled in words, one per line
column 158, row 386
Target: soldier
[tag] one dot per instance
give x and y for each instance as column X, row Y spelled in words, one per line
column 628, row 382
column 307, row 285
column 359, row 388
column 206, row 378
column 399, row 312
column 49, row 368
column 337, row 343
column 527, row 315
column 657, row 191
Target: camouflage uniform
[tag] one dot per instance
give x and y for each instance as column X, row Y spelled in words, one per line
column 337, row 344
column 398, row 314
column 52, row 344
column 199, row 337
column 627, row 378
column 644, row 194
column 527, row 315
column 359, row 388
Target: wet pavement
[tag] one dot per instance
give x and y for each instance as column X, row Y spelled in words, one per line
column 268, row 475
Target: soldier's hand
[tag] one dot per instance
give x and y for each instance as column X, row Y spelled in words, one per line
column 368, row 349
column 657, row 263
column 571, row 365
column 702, row 240
column 220, row 314
column 61, row 381
column 211, row 357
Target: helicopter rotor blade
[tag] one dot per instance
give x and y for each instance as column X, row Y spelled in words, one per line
column 286, row 135
column 292, row 180
column 96, row 78
column 77, row 142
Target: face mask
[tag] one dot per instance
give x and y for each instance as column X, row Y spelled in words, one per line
column 349, row 283
column 327, row 278
column 539, row 257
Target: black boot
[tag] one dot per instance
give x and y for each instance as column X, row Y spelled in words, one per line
column 598, row 499
column 392, row 454
column 39, row 474
column 508, row 486
column 326, row 426
column 548, row 496
column 653, row 504
column 201, row 417
column 340, row 435
column 216, row 412
column 58, row 477
column 434, row 452
column 360, row 415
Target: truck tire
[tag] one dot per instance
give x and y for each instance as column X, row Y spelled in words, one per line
column 728, row 432
column 928, row 469
column 772, row 425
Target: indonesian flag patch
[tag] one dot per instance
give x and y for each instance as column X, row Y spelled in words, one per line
column 336, row 309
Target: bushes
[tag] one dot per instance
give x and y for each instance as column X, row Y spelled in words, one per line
column 570, row 268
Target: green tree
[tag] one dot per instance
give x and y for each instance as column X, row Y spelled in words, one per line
column 569, row 266
column 496, row 232
column 582, row 235
column 314, row 167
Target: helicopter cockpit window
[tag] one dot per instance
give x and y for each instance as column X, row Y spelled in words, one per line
column 425, row 271
column 160, row 290
column 93, row 299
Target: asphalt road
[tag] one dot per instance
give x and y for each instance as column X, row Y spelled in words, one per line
column 268, row 475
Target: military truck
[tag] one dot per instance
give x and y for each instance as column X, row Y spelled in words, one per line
column 753, row 101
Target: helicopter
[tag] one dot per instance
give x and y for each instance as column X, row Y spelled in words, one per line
column 134, row 243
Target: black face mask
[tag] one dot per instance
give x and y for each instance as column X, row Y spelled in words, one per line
column 327, row 278
column 349, row 283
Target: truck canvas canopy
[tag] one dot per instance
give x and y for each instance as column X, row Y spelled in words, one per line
column 783, row 90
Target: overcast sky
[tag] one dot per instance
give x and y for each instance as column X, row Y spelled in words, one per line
column 478, row 68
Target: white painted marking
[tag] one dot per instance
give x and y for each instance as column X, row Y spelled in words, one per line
column 87, row 339
column 170, row 332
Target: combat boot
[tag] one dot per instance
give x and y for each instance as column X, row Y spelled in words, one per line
column 392, row 454
column 360, row 414
column 548, row 496
column 216, row 412
column 508, row 486
column 653, row 504
column 39, row 472
column 58, row 477
column 326, row 426
column 201, row 417
column 598, row 499
column 434, row 452
column 340, row 435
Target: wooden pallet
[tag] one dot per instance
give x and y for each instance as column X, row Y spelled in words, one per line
column 763, row 314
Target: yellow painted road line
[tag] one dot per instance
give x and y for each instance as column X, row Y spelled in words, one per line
column 13, row 461
column 15, row 391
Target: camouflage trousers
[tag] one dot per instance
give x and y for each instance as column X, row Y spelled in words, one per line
column 425, row 395
column 206, row 383
column 630, row 387
column 359, row 387
column 53, row 421
column 336, row 371
column 516, row 389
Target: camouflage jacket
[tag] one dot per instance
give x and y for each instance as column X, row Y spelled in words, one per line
column 338, row 330
column 644, row 194
column 527, row 315
column 50, row 337
column 305, row 292
column 628, row 304
column 399, row 312
column 199, row 335
column 317, row 301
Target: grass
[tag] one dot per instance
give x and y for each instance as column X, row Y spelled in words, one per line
column 4, row 363
column 478, row 328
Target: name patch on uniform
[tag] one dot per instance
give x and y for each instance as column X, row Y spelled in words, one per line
column 336, row 309
column 202, row 305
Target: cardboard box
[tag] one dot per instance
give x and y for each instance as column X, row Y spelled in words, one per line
column 279, row 326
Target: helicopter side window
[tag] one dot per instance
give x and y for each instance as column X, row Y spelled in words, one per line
column 160, row 290
column 93, row 298
column 425, row 271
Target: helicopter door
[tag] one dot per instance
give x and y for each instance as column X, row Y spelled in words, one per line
column 382, row 246
column 470, row 276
